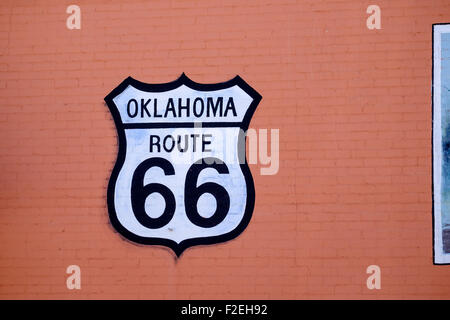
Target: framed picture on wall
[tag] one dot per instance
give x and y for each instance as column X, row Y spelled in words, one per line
column 441, row 143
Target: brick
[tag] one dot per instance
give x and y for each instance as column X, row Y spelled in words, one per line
column 352, row 106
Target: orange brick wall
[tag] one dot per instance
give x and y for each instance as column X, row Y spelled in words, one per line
column 354, row 111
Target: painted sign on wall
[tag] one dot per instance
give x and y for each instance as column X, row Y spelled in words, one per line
column 181, row 176
column 441, row 142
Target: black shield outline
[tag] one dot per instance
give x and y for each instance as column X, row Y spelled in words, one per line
column 178, row 248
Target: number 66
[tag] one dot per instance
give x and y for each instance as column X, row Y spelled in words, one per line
column 192, row 192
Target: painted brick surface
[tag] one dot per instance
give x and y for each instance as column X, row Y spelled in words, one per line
column 354, row 111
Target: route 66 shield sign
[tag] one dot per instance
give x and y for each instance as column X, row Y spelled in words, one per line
column 181, row 177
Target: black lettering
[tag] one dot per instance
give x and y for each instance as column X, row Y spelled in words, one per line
column 206, row 142
column 230, row 105
column 182, row 107
column 154, row 143
column 155, row 110
column 202, row 104
column 144, row 108
column 170, row 107
column 186, row 143
column 214, row 108
column 194, row 140
column 168, row 149
column 132, row 115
